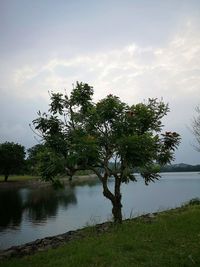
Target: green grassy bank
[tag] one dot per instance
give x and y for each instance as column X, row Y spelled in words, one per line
column 172, row 238
column 18, row 178
column 26, row 177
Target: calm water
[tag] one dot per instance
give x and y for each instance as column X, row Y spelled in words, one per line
column 28, row 214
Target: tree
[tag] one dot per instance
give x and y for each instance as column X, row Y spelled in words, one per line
column 196, row 127
column 43, row 160
column 87, row 135
column 33, row 158
column 12, row 158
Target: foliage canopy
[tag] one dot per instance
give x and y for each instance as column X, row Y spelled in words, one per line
column 88, row 135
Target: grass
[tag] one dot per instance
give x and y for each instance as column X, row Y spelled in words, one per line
column 16, row 178
column 171, row 239
column 77, row 180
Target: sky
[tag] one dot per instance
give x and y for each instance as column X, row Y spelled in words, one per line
column 135, row 49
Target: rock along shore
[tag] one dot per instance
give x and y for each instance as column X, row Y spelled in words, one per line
column 50, row 242
column 59, row 240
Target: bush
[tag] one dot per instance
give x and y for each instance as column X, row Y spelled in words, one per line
column 194, row 201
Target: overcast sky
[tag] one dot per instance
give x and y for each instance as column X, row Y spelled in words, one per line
column 133, row 49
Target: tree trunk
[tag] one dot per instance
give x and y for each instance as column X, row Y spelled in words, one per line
column 114, row 198
column 117, row 206
column 117, row 211
column 6, row 178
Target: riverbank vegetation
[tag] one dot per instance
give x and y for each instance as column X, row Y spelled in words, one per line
column 18, row 178
column 18, row 181
column 171, row 238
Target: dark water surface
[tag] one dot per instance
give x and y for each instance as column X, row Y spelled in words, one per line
column 28, row 214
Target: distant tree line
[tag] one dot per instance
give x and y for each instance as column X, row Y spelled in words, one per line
column 180, row 168
column 170, row 168
column 38, row 159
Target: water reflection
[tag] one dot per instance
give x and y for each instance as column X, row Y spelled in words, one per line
column 28, row 214
column 10, row 208
column 37, row 205
column 42, row 204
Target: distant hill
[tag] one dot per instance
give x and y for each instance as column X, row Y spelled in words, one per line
column 181, row 167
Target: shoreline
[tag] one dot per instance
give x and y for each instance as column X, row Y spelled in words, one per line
column 163, row 239
column 38, row 182
column 35, row 183
column 50, row 242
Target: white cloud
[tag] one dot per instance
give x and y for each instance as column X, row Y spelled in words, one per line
column 131, row 72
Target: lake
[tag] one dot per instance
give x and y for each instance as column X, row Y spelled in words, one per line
column 27, row 214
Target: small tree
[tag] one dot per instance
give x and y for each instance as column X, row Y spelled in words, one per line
column 12, row 158
column 43, row 160
column 196, row 127
column 87, row 135
column 33, row 158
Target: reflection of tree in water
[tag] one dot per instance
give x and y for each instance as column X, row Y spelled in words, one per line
column 10, row 208
column 44, row 202
column 39, row 204
column 91, row 183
